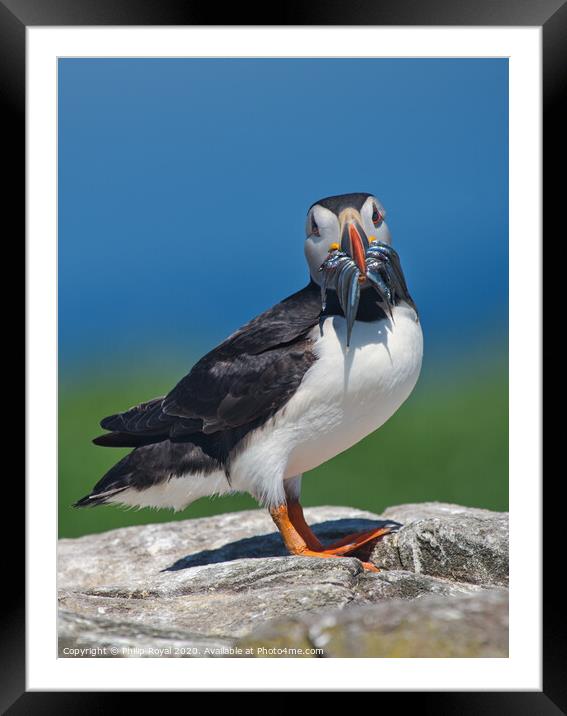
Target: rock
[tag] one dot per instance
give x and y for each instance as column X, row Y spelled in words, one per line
column 457, row 543
column 210, row 586
column 432, row 626
column 139, row 553
column 84, row 637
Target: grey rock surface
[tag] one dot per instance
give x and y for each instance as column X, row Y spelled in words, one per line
column 432, row 626
column 217, row 586
column 449, row 541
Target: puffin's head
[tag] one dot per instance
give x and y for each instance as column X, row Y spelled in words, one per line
column 348, row 222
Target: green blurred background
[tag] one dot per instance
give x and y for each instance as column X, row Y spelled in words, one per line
column 183, row 188
column 448, row 442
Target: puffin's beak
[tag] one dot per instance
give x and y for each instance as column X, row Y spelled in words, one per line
column 353, row 238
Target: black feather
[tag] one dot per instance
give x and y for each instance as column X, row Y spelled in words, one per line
column 343, row 201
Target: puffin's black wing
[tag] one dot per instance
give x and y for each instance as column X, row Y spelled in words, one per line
column 254, row 372
column 144, row 424
column 240, row 383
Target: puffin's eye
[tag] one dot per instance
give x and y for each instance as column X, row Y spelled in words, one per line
column 376, row 216
column 314, row 227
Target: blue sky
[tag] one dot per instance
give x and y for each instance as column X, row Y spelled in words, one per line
column 184, row 184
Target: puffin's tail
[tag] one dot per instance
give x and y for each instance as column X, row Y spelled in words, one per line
column 116, row 480
column 94, row 499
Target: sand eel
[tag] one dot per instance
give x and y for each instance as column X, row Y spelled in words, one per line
column 298, row 384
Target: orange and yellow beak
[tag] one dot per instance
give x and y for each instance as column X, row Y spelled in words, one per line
column 353, row 238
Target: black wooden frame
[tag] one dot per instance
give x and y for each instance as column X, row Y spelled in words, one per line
column 551, row 15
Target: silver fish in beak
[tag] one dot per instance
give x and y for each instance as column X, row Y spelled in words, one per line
column 358, row 263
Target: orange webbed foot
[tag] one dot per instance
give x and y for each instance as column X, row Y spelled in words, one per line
column 352, row 542
column 300, row 540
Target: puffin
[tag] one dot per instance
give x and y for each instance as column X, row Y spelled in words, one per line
column 295, row 386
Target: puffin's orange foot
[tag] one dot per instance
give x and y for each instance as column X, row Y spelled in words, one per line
column 300, row 540
column 352, row 542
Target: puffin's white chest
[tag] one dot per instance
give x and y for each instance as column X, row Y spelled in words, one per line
column 344, row 396
column 349, row 393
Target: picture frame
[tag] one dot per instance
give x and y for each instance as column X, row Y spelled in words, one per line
column 18, row 15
